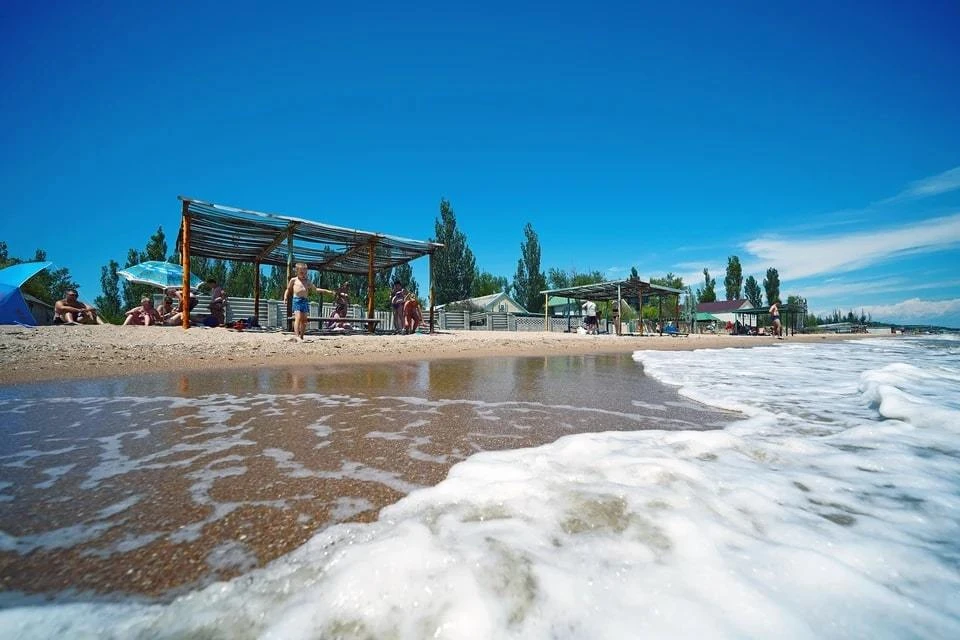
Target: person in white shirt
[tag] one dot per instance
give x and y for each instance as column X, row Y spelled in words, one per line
column 590, row 317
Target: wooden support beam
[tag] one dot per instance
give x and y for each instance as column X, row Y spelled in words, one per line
column 185, row 257
column 371, row 283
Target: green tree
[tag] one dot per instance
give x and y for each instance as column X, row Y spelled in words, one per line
column 752, row 290
column 708, row 293
column 108, row 303
column 485, row 283
column 670, row 303
column 156, row 248
column 454, row 264
column 558, row 278
column 733, row 282
column 405, row 274
column 239, row 280
column 529, row 281
column 771, row 284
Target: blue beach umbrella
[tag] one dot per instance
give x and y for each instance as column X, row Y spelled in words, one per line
column 13, row 308
column 158, row 274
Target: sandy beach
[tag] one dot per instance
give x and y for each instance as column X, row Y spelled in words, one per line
column 61, row 352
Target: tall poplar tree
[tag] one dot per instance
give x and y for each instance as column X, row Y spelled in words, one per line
column 529, row 281
column 454, row 264
column 771, row 284
column 751, row 289
column 733, row 282
column 709, row 292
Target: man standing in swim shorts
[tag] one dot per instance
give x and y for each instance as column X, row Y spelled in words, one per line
column 300, row 287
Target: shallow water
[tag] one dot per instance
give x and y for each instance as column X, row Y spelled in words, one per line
column 154, row 484
column 829, row 511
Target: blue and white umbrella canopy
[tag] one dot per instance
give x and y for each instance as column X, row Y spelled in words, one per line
column 158, row 274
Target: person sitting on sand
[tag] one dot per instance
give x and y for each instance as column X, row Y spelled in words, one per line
column 397, row 296
column 218, row 302
column 341, row 304
column 412, row 313
column 146, row 314
column 299, row 288
column 71, row 311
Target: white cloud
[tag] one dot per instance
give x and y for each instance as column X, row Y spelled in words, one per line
column 848, row 289
column 917, row 311
column 932, row 186
column 798, row 258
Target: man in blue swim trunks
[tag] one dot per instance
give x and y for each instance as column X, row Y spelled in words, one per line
column 300, row 287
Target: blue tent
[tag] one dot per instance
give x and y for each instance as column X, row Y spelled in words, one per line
column 13, row 308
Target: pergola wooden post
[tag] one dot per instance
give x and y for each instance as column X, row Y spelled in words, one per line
column 185, row 257
column 289, row 306
column 256, row 289
column 371, row 285
column 546, row 312
column 430, row 271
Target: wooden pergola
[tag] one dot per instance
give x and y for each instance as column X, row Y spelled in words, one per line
column 218, row 231
column 630, row 289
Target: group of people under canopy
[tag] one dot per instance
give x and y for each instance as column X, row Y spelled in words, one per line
column 407, row 313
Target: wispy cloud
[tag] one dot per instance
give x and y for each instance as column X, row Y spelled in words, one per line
column 932, row 186
column 859, row 289
column 801, row 258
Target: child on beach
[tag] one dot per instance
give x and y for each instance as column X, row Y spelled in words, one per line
column 145, row 315
column 299, row 288
column 412, row 313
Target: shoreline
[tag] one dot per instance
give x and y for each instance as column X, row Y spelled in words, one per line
column 51, row 353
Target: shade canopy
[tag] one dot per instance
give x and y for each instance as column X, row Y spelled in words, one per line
column 628, row 289
column 228, row 233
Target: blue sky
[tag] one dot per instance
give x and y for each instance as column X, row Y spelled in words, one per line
column 821, row 139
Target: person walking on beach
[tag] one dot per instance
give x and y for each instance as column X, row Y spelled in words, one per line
column 397, row 296
column 775, row 318
column 590, row 313
column 299, row 288
column 71, row 311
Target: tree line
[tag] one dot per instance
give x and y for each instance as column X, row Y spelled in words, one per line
column 456, row 277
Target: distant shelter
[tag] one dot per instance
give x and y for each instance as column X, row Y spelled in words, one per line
column 633, row 291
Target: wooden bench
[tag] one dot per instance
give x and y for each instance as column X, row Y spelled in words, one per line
column 371, row 323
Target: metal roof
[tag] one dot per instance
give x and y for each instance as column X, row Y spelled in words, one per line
column 229, row 233
column 628, row 289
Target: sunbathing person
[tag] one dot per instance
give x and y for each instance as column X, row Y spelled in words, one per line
column 412, row 314
column 341, row 304
column 71, row 311
column 145, row 315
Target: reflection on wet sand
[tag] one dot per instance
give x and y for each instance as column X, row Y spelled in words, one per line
column 156, row 484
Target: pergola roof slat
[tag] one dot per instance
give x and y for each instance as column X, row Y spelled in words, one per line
column 230, row 233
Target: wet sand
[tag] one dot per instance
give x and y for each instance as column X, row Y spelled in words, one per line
column 61, row 352
column 151, row 485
